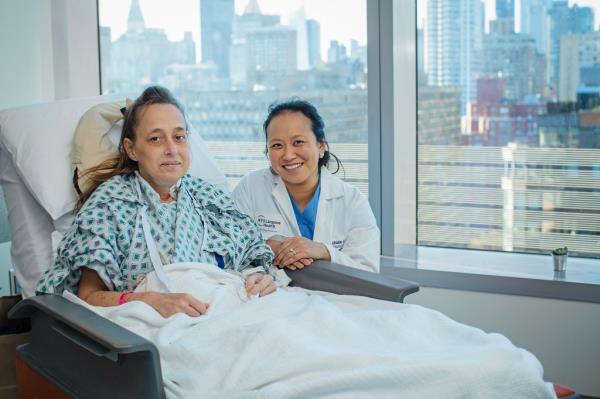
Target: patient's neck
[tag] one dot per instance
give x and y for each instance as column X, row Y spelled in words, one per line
column 163, row 190
column 166, row 198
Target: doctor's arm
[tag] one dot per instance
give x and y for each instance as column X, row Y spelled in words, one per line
column 361, row 248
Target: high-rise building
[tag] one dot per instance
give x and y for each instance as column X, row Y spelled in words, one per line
column 336, row 52
column 505, row 14
column 453, row 41
column 513, row 58
column 534, row 22
column 239, row 60
column 438, row 119
column 297, row 21
column 135, row 19
column 216, row 24
column 565, row 20
column 126, row 73
column 313, row 33
column 576, row 50
column 505, row 9
column 269, row 52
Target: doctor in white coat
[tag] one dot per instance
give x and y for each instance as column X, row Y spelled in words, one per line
column 303, row 210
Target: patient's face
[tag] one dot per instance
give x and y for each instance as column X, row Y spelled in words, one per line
column 160, row 146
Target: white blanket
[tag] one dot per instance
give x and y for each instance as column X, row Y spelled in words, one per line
column 301, row 344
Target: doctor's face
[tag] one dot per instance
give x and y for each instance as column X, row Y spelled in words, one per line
column 160, row 146
column 293, row 149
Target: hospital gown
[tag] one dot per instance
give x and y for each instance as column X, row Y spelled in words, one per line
column 107, row 234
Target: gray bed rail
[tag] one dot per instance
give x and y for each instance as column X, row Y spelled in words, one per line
column 88, row 356
column 344, row 280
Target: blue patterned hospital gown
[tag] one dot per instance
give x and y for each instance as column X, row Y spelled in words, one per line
column 107, row 234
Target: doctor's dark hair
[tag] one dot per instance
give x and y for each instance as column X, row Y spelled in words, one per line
column 317, row 125
column 122, row 164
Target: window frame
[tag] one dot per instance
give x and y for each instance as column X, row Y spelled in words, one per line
column 393, row 195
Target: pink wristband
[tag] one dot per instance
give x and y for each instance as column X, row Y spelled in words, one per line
column 123, row 297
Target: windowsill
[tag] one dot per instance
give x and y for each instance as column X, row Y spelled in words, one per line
column 496, row 272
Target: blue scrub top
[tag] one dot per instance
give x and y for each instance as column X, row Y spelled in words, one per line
column 306, row 220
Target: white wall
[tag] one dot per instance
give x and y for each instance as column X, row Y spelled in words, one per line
column 564, row 335
column 49, row 51
column 24, row 44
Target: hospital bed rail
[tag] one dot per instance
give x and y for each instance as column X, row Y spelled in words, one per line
column 87, row 356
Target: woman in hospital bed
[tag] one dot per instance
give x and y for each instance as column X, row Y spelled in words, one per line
column 145, row 213
column 142, row 212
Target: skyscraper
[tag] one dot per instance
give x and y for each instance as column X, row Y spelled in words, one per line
column 505, row 9
column 576, row 51
column 216, row 22
column 534, row 22
column 313, row 32
column 453, row 40
column 125, row 72
column 565, row 20
column 297, row 20
column 135, row 19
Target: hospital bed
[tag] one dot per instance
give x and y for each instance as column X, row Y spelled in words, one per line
column 71, row 351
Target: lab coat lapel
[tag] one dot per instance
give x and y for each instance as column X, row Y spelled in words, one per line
column 283, row 202
column 331, row 188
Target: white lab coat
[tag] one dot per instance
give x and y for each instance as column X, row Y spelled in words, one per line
column 345, row 222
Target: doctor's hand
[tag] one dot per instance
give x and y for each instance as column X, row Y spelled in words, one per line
column 299, row 264
column 260, row 284
column 297, row 252
column 167, row 304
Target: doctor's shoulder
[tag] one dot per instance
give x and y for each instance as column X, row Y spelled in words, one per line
column 254, row 184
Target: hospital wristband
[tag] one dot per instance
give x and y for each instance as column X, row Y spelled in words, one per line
column 123, row 297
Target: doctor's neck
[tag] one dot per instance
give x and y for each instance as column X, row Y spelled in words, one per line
column 303, row 192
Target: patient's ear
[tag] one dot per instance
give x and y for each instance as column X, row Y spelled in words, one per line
column 128, row 145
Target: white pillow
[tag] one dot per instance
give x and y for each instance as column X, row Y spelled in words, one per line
column 38, row 138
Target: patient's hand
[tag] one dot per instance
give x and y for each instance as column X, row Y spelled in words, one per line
column 168, row 304
column 299, row 264
column 298, row 252
column 260, row 284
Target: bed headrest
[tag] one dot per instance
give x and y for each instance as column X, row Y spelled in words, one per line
column 39, row 140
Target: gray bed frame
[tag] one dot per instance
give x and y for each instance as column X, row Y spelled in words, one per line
column 88, row 356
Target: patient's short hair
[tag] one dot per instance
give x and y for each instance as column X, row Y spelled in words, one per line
column 317, row 124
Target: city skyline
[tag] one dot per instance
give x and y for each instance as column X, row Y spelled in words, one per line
column 183, row 15
column 490, row 11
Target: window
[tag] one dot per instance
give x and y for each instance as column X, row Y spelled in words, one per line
column 508, row 125
column 228, row 60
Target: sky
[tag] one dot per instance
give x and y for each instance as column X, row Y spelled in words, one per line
column 340, row 20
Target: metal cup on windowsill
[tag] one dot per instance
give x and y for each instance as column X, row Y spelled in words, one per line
column 559, row 257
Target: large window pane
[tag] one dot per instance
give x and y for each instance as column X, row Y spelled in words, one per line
column 228, row 60
column 509, row 125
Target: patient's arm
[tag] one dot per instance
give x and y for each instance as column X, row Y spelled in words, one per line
column 93, row 290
